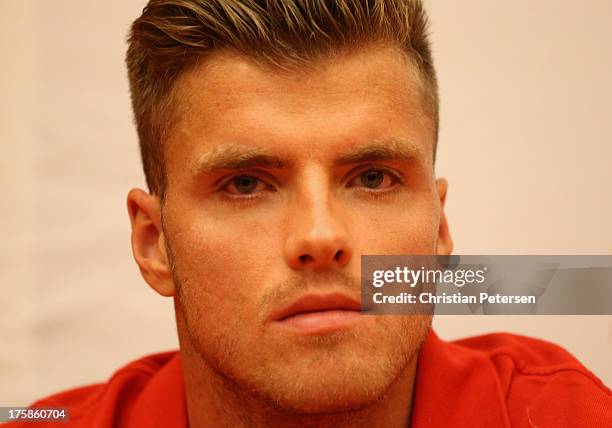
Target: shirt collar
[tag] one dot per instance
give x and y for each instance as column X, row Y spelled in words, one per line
column 162, row 403
column 456, row 386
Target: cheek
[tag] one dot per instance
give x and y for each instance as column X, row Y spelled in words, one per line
column 412, row 229
column 221, row 265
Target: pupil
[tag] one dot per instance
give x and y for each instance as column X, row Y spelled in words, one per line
column 372, row 179
column 245, row 184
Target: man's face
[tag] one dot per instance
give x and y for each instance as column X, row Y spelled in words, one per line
column 277, row 183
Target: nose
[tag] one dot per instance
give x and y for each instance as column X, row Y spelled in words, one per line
column 317, row 238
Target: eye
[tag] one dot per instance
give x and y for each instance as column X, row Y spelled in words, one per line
column 244, row 185
column 374, row 179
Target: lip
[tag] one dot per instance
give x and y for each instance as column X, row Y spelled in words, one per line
column 318, row 313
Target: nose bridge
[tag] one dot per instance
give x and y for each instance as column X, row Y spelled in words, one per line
column 318, row 217
column 317, row 236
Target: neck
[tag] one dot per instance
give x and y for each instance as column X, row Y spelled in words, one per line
column 214, row 400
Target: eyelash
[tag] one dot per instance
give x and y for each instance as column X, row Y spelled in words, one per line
column 373, row 193
column 245, row 199
column 398, row 180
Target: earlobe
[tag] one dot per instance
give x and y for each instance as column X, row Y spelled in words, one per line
column 148, row 241
column 445, row 242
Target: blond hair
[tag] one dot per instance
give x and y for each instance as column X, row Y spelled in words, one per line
column 171, row 35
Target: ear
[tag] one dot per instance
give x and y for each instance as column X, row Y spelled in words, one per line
column 148, row 241
column 445, row 242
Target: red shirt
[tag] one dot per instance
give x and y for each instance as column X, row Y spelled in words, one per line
column 496, row 380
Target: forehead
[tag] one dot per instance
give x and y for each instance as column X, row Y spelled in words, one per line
column 372, row 94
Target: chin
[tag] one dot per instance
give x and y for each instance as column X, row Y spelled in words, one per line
column 333, row 373
column 331, row 382
column 326, row 399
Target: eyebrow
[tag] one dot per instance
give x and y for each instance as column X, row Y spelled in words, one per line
column 394, row 149
column 236, row 157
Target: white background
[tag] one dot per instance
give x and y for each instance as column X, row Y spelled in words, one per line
column 526, row 144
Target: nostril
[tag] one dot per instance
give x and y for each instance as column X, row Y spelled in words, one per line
column 305, row 257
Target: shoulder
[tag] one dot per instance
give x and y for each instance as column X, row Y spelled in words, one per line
column 542, row 383
column 107, row 404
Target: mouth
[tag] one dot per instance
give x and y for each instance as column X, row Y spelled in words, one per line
column 318, row 314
